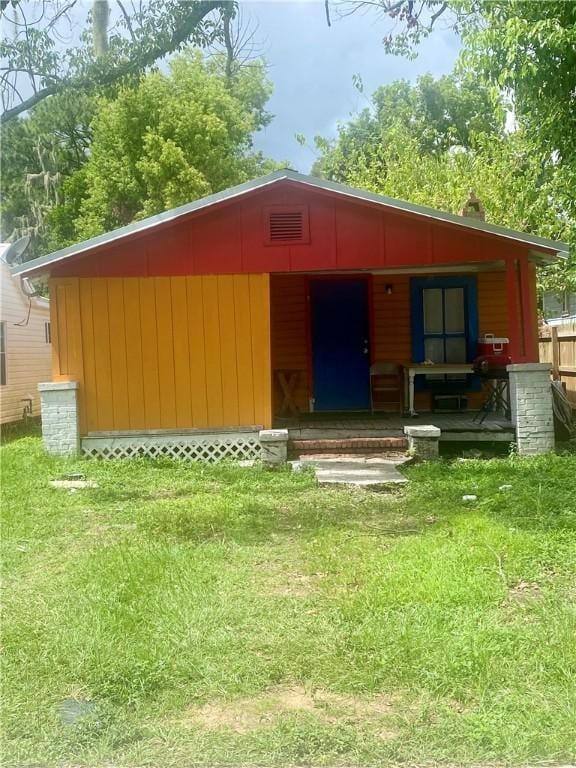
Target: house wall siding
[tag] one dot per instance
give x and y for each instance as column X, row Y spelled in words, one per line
column 344, row 235
column 28, row 355
column 165, row 352
column 289, row 323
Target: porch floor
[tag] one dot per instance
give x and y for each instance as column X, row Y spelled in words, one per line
column 457, row 427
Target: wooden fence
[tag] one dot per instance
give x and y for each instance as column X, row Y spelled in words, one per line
column 557, row 345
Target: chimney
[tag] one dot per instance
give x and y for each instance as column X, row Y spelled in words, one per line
column 473, row 208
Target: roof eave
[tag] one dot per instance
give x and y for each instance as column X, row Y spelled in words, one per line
column 554, row 248
column 547, row 249
column 41, row 264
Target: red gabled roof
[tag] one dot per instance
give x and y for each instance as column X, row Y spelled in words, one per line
column 549, row 249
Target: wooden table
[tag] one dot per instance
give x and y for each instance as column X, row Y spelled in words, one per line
column 414, row 369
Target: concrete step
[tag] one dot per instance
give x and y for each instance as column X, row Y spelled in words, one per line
column 350, row 445
column 373, row 471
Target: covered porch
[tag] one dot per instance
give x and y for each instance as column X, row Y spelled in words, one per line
column 331, row 330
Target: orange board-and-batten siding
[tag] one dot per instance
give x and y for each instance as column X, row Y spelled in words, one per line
column 165, row 352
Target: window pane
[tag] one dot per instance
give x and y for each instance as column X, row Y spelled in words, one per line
column 454, row 310
column 433, row 320
column 434, row 349
column 456, row 350
column 2, row 338
column 456, row 353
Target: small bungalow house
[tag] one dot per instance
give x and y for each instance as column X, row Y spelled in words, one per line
column 193, row 329
column 25, row 348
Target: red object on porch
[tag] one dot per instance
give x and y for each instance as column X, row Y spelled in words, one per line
column 493, row 345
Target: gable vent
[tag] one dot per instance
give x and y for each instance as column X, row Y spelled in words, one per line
column 287, row 225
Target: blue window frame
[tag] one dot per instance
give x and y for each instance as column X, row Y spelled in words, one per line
column 444, row 328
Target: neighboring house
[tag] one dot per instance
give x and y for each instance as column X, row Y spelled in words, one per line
column 559, row 308
column 201, row 317
column 25, row 346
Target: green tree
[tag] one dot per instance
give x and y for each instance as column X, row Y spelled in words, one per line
column 35, row 61
column 39, row 152
column 529, row 48
column 171, row 139
column 436, row 114
column 434, row 162
column 526, row 49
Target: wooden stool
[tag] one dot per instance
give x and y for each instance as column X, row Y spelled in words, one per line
column 288, row 381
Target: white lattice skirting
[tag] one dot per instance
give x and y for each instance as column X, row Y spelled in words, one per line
column 201, row 447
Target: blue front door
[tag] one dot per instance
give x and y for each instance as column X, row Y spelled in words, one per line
column 340, row 344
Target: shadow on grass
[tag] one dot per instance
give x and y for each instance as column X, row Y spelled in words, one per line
column 532, row 494
column 227, row 504
column 16, row 430
column 254, row 522
column 198, row 502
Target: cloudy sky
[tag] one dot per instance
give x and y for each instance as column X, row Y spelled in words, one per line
column 312, row 66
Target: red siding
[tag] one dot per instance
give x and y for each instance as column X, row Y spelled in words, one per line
column 344, row 235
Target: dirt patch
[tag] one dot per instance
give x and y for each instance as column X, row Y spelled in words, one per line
column 168, row 493
column 459, row 707
column 524, row 592
column 266, row 709
column 98, row 529
column 106, row 535
column 292, row 584
column 278, row 576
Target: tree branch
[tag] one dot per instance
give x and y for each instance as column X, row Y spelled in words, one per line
column 62, row 12
column 127, row 20
column 438, row 13
column 28, row 103
column 227, row 18
column 135, row 63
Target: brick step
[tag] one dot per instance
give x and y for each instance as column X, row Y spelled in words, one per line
column 355, row 445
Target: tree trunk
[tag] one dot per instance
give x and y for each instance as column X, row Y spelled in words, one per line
column 100, row 14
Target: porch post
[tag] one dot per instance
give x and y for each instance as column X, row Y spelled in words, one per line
column 529, row 313
column 60, row 422
column 423, row 441
column 513, row 306
column 273, row 446
column 531, row 406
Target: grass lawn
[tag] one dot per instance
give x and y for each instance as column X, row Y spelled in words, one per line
column 221, row 615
